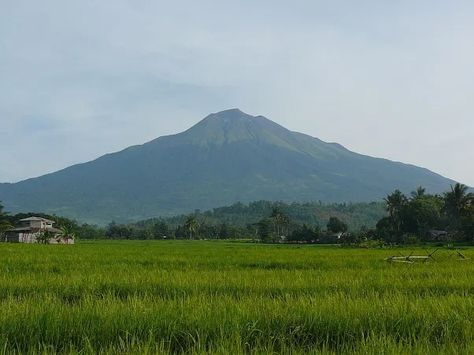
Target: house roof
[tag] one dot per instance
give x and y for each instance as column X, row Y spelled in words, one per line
column 33, row 218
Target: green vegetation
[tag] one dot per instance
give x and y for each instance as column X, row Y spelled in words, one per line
column 418, row 217
column 4, row 221
column 223, row 297
column 335, row 225
column 422, row 217
column 240, row 220
column 232, row 222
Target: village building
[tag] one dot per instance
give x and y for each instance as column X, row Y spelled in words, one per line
column 32, row 228
column 437, row 235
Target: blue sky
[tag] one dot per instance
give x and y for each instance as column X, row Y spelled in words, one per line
column 392, row 79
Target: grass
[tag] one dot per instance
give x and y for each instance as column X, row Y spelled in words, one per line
column 217, row 297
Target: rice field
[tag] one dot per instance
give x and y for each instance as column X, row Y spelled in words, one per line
column 201, row 297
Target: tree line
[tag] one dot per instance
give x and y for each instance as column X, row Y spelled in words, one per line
column 398, row 219
column 422, row 216
column 406, row 219
column 198, row 225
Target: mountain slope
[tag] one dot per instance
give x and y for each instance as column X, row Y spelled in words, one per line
column 227, row 157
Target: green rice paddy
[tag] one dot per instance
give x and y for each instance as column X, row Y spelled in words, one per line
column 231, row 298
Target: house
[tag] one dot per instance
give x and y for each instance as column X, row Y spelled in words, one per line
column 33, row 227
column 438, row 235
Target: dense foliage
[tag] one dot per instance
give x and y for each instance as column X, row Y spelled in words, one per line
column 399, row 219
column 263, row 220
column 232, row 222
column 314, row 213
column 4, row 221
column 447, row 217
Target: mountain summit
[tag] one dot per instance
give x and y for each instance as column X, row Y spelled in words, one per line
column 232, row 126
column 227, row 157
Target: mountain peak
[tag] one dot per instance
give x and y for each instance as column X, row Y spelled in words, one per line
column 234, row 125
column 230, row 111
column 230, row 114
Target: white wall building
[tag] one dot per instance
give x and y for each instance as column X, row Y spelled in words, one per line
column 31, row 228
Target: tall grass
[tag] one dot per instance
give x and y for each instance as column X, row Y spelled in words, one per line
column 215, row 297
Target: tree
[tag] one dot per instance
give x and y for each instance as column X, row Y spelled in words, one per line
column 305, row 234
column 116, row 231
column 395, row 203
column 421, row 214
column 415, row 218
column 87, row 231
column 459, row 208
column 4, row 223
column 385, row 230
column 418, row 193
column 458, row 201
column 44, row 237
column 264, row 229
column 467, row 225
column 180, row 232
column 67, row 234
column 280, row 220
column 191, row 226
column 2, row 213
column 159, row 230
column 335, row 225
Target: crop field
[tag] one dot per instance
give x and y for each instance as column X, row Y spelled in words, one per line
column 231, row 298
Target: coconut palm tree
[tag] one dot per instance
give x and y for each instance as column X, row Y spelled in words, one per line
column 458, row 201
column 280, row 220
column 395, row 203
column 67, row 234
column 418, row 193
column 191, row 225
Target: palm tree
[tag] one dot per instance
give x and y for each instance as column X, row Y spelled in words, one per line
column 458, row 201
column 191, row 225
column 395, row 203
column 280, row 219
column 419, row 192
column 67, row 234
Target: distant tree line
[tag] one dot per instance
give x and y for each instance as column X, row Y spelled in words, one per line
column 356, row 215
column 398, row 219
column 262, row 220
column 191, row 228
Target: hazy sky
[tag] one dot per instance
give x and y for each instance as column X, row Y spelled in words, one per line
column 81, row 78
